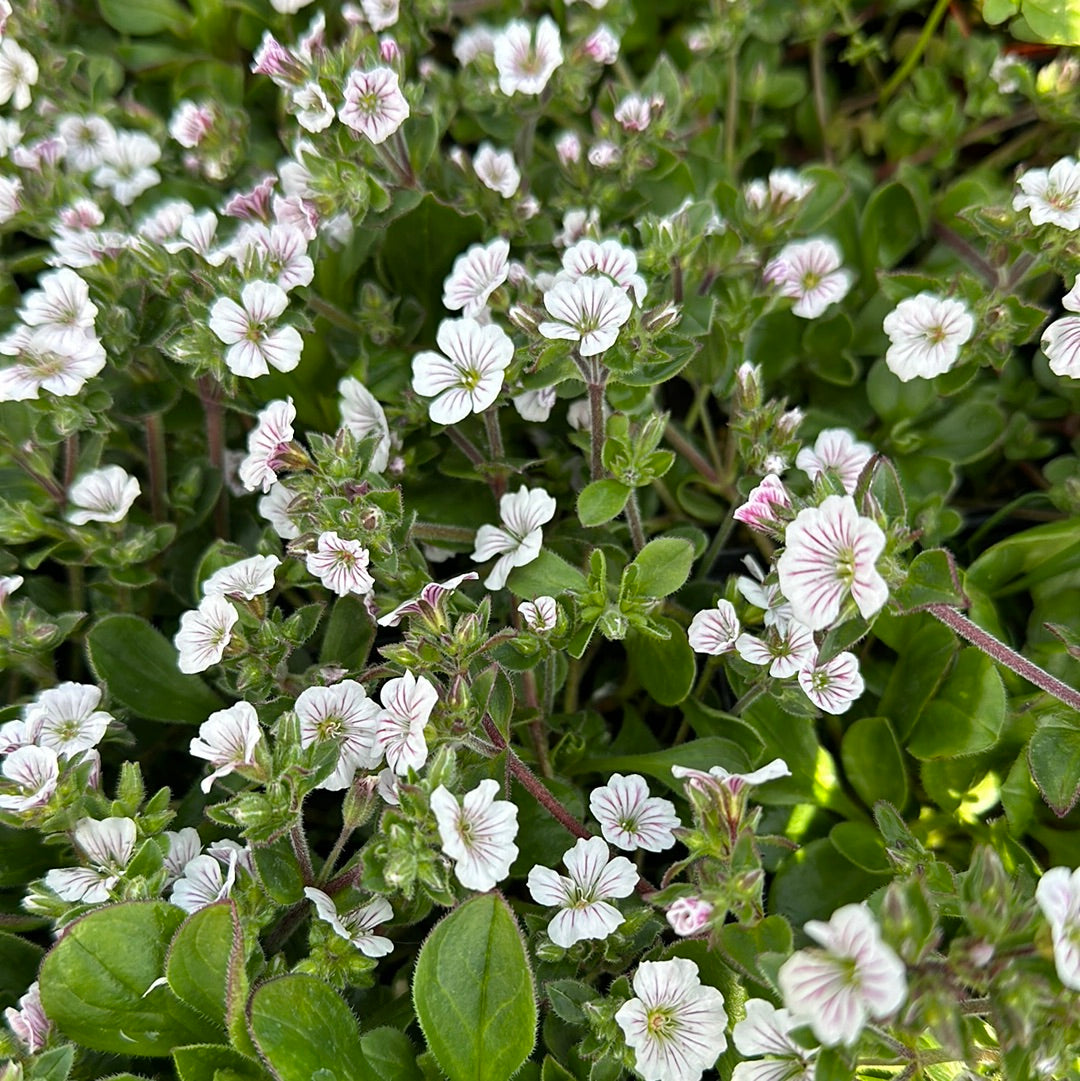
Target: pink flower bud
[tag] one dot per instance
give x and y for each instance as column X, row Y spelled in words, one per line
column 688, row 915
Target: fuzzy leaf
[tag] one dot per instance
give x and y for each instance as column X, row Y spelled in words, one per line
column 1054, row 758
column 601, row 501
column 198, row 964
column 663, row 566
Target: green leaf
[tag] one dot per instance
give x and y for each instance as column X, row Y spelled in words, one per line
column 1057, row 22
column 349, row 633
column 892, row 224
column 700, row 754
column 279, row 871
column 666, row 666
column 547, row 575
column 22, row 857
column 601, row 501
column 861, row 844
column 917, row 675
column 967, row 713
column 1054, row 758
column 743, row 944
column 139, row 665
column 932, row 579
column 473, row 992
column 146, row 17
column 19, row 961
column 553, row 1071
column 391, row 1055
column 54, row 1065
column 304, row 1030
column 95, row 982
column 663, row 566
column 966, row 433
column 215, row 1062
column 873, row 762
column 198, row 964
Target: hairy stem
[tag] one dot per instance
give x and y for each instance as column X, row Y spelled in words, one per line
column 633, row 520
column 433, row 533
column 912, row 59
column 156, row 463
column 596, row 429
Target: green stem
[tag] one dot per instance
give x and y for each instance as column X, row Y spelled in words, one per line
column 633, row 520
column 731, row 114
column 753, row 692
column 432, row 533
column 817, row 74
column 335, row 855
column 912, row 59
column 210, row 395
column 333, row 314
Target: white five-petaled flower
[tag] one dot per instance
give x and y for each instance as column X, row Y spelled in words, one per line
column 275, row 507
column 247, row 578
column 833, row 686
column 830, row 551
column 608, row 258
column 714, row 630
column 62, row 307
column 204, row 634
column 765, row 1030
column 835, row 449
column 128, row 169
column 67, row 719
column 108, row 845
column 341, row 565
column 588, row 310
column 427, row 600
column 104, row 495
column 266, row 443
column 313, row 109
column 583, row 896
column 362, row 414
column 374, row 104
column 399, row 729
column 540, row 615
column 8, row 584
column 468, row 375
column 1052, row 196
column 18, row 72
column 496, row 169
column 357, row 926
column 227, row 740
column 44, row 363
column 812, row 272
column 277, row 253
column 525, row 65
column 1061, row 339
column 630, row 818
column 191, row 122
column 380, row 14
column 535, row 406
column 856, row 976
column 475, row 275
column 688, row 915
column 29, row 1022
column 926, row 332
column 675, row 1024
column 34, row 772
column 204, row 883
column 777, row 611
column 760, row 509
column 786, row 648
column 254, row 346
column 477, row 834
column 343, row 714
column 517, row 542
column 734, row 783
column 1058, row 896
column 182, row 846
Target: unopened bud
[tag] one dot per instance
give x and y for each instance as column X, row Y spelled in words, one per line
column 526, row 319
column 360, row 801
column 661, row 318
column 748, row 388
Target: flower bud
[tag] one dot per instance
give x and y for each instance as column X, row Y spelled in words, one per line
column 689, row 915
column 661, row 318
column 360, row 801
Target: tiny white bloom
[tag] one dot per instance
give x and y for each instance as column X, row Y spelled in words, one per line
column 926, row 332
column 604, row 154
column 362, row 414
column 833, row 686
column 227, row 740
column 8, row 584
column 477, row 834
column 104, row 495
column 254, row 346
column 835, row 449
column 568, row 148
column 204, row 634
column 675, row 1024
column 86, row 139
column 765, row 1030
column 786, row 648
column 810, row 271
column 688, row 915
column 608, row 258
column 495, row 169
column 630, row 818
column 426, row 601
column 108, row 845
column 1051, row 196
column 374, row 104
column 399, row 734
column 602, row 46
column 760, row 509
column 525, row 65
column 714, row 630
column 784, row 186
column 1058, row 897
column 62, row 306
column 34, row 773
column 164, row 221
column 540, row 615
column 634, row 113
column 10, row 187
column 830, row 551
column 182, row 847
column 582, row 898
column 289, row 7
column 357, row 926
column 67, row 719
column 203, row 883
column 735, row 783
column 43, row 363
column 777, row 611
column 517, row 542
column 198, row 234
column 473, row 41
column 590, row 311
column 313, row 109
column 247, row 578
column 341, row 565
column 276, row 507
column 344, row 715
column 535, row 406
column 29, row 1023
column 855, row 977
column 128, row 169
column 275, row 252
column 475, row 275
column 18, row 72
column 1061, row 339
column 266, row 443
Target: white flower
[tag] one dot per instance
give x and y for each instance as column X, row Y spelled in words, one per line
column 128, row 168
column 380, row 14
column 374, row 105
column 835, row 449
column 197, row 234
column 630, row 818
column 18, row 72
column 61, row 306
column 518, row 541
column 477, row 834
column 362, row 414
column 470, row 375
column 204, row 634
column 765, row 1030
column 1058, row 896
column 856, row 976
column 833, row 686
column 524, row 67
column 568, row 148
column 735, row 783
column 87, row 140
column 164, row 221
column 247, row 578
column 426, row 601
column 255, row 347
column 42, row 365
column 108, row 845
column 203, row 883
column 289, row 7
column 227, row 740
column 926, row 332
column 602, row 46
column 608, row 258
column 473, row 41
column 634, row 113
column 399, row 734
column 11, row 134
column 266, row 443
column 66, row 718
column 786, row 649
column 29, row 1023
column 476, row 274
column 777, row 611
column 1052, row 196
column 313, row 109
column 341, row 565
column 540, row 615
column 829, row 552
column 343, row 714
column 495, row 169
column 9, row 197
column 105, row 495
column 275, row 252
column 8, row 584
column 604, row 154
column 34, row 772
column 355, row 927
column 535, row 405
column 714, row 630
column 784, row 187
column 582, row 898
column 590, row 311
column 190, row 123
column 812, row 272
column 675, row 1024
column 1061, row 339
column 688, row 915
column 182, row 847
column 760, row 509
column 275, row 507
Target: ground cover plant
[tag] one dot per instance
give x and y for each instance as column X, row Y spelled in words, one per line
column 540, row 540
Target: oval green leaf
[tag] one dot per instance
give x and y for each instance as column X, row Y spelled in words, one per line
column 198, row 963
column 601, row 501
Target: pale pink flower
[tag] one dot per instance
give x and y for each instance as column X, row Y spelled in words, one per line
column 273, row 59
column 67, row 719
column 1061, row 339
column 582, row 898
column 830, row 551
column 714, row 630
column 374, row 105
column 604, row 154
column 203, row 883
column 254, row 346
column 18, row 72
column 266, row 444
column 198, row 234
column 313, row 109
column 517, row 542
column 227, row 740
column 810, row 271
column 630, row 818
column 602, row 46
column 735, row 783
column 29, row 1023
column 344, row 715
column 247, row 578
column 468, row 378
column 191, row 123
column 475, row 276
column 765, row 1030
column 341, row 565
column 472, row 42
column 407, row 704
column 675, row 1024
column 204, row 634
column 477, row 834
column 357, row 926
column 526, row 64
column 535, row 406
column 277, row 253
column 128, row 169
column 634, row 113
column 590, row 311
column 252, row 205
column 540, row 615
column 568, row 148
column 108, row 845
column 689, row 915
column 103, row 495
column 495, row 169
column 760, row 509
column 786, row 648
column 608, row 258
column 836, row 990
column 926, row 332
column 32, row 774
column 427, row 601
column 40, row 364
column 1051, row 196
column 835, row 449
column 833, row 686
column 86, row 140
column 1058, row 897
column 362, row 414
